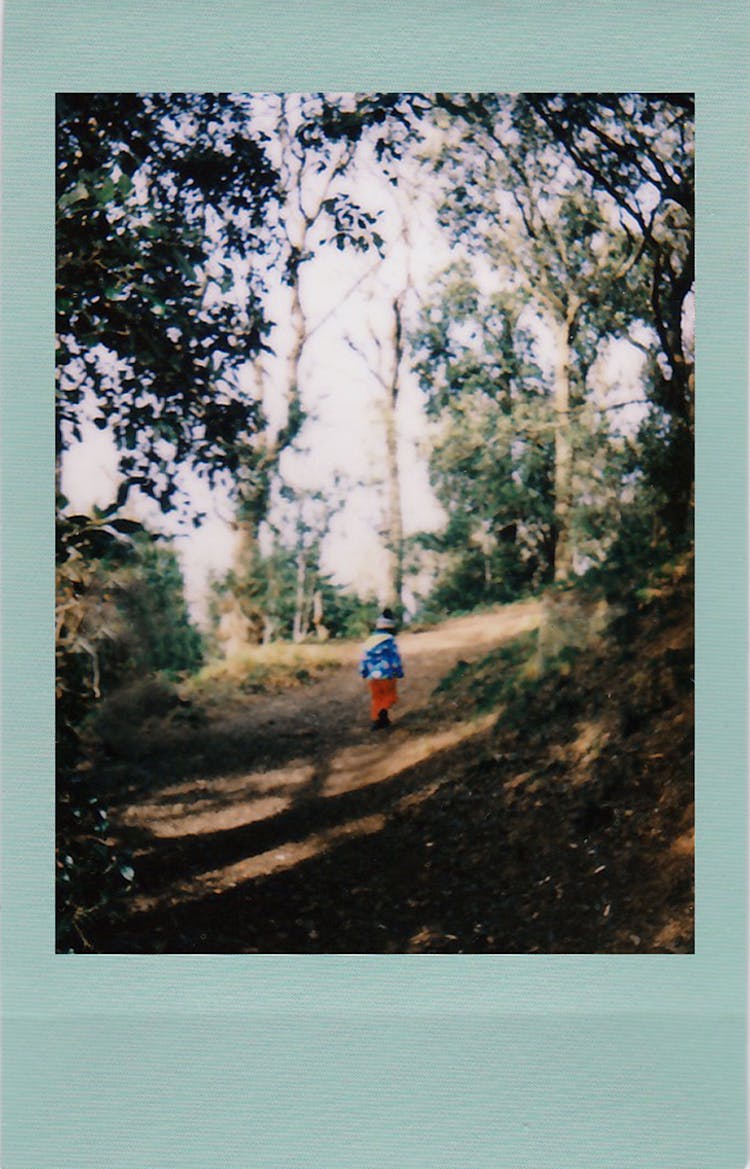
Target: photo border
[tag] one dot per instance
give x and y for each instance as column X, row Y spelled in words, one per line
column 365, row 1061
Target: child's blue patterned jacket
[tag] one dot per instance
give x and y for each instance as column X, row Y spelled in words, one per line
column 380, row 657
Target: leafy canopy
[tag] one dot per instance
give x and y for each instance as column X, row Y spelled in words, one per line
column 159, row 198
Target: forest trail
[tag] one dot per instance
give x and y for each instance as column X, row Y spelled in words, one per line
column 316, row 774
column 510, row 812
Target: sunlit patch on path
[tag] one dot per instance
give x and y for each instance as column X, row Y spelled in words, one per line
column 352, row 769
column 224, row 802
column 263, row 865
column 360, row 766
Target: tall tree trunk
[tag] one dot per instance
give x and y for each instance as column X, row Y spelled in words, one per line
column 563, row 554
column 395, row 515
column 318, row 616
column 294, row 412
column 271, row 614
column 244, row 548
column 299, row 596
column 235, row 629
column 678, row 397
column 395, row 519
column 253, row 504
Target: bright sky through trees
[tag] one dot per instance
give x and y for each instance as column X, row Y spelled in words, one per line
column 347, row 295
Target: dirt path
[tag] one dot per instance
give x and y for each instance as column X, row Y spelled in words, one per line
column 280, row 823
column 314, row 773
column 336, row 708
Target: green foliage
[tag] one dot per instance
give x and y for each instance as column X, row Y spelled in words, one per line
column 86, row 621
column 120, row 614
column 158, row 196
column 492, row 680
column 279, row 586
column 262, row 589
column 172, row 230
column 266, row 593
column 492, row 455
column 346, row 614
column 640, row 150
column 121, row 610
column 85, row 863
column 90, row 871
column 525, row 454
column 151, row 599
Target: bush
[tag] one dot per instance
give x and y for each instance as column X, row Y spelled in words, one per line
column 119, row 612
column 494, row 679
column 90, row 872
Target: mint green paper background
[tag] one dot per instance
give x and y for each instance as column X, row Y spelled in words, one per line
column 413, row 1062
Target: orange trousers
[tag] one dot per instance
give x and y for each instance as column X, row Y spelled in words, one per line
column 383, row 694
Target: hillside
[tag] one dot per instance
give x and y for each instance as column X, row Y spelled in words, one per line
column 509, row 810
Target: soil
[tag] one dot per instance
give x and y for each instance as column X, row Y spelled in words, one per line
column 558, row 821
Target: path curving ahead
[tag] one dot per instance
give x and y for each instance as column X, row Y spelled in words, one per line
column 316, row 775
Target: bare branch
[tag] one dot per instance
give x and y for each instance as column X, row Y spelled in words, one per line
column 383, row 381
column 340, row 303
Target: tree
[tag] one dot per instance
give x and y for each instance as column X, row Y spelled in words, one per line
column 555, row 246
column 279, row 593
column 492, row 450
column 317, row 142
column 120, row 615
column 384, row 362
column 311, row 513
column 640, row 150
column 158, row 634
column 313, row 139
column 158, row 198
column 386, row 350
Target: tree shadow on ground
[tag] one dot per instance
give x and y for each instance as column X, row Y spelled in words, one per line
column 452, row 870
column 565, row 829
column 306, row 810
column 160, row 756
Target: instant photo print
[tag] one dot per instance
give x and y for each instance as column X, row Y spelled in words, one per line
column 374, row 461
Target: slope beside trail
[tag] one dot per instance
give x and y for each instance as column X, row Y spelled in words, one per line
column 307, row 753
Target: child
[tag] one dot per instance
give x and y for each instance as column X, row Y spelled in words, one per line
column 381, row 666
